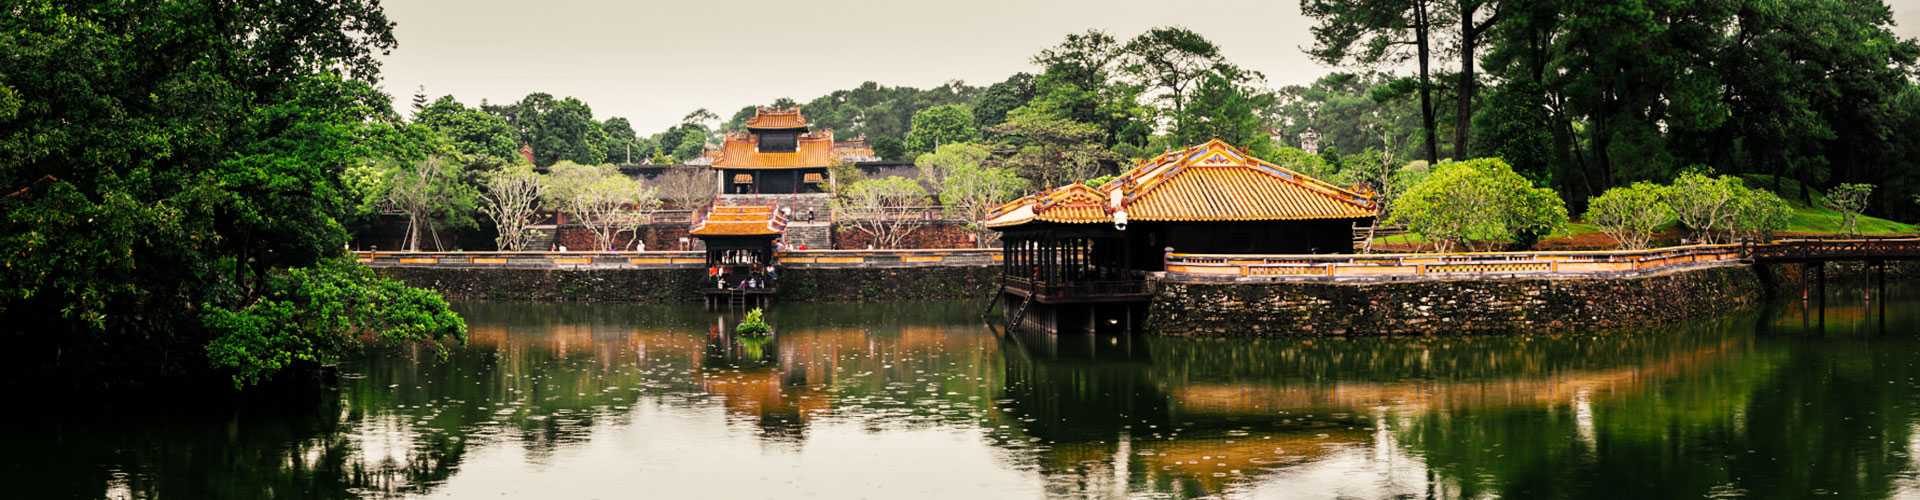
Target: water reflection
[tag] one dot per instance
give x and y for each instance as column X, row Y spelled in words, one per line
column 920, row 400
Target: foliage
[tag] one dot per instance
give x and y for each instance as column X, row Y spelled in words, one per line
column 993, row 104
column 1850, row 199
column 1380, row 33
column 512, row 196
column 164, row 160
column 687, row 188
column 1702, row 204
column 601, row 199
column 479, row 137
column 1758, row 213
column 1228, row 104
column 753, row 324
column 1476, row 202
column 1300, row 161
column 971, row 190
column 1172, row 60
column 882, row 208
column 430, row 189
column 1051, row 151
column 1349, row 113
column 557, row 129
column 1631, row 214
column 314, row 315
column 941, row 125
column 935, row 167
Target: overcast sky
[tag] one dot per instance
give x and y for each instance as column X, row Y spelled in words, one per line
column 653, row 62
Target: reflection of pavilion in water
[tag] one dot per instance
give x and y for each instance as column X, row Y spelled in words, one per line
column 1154, row 414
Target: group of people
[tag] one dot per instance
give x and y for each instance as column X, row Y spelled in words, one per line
column 760, row 278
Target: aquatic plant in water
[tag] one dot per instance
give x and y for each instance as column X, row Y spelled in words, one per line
column 753, row 324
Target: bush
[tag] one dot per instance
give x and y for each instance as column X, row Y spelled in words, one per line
column 313, row 315
column 1631, row 214
column 1850, row 200
column 753, row 325
column 1757, row 214
column 1704, row 204
column 1478, row 202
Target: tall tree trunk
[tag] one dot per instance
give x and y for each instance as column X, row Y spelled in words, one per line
column 1420, row 28
column 1463, row 112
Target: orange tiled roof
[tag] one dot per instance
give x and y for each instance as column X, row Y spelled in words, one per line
column 742, row 151
column 1206, row 183
column 775, row 119
column 740, row 221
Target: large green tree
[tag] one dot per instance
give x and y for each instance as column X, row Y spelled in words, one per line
column 939, row 125
column 174, row 179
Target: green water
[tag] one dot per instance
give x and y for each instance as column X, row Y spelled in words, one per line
column 923, row 401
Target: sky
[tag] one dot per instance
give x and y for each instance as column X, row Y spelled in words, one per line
column 653, row 62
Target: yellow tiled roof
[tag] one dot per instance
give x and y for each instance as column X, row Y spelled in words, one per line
column 741, row 151
column 740, row 221
column 770, row 118
column 1209, row 182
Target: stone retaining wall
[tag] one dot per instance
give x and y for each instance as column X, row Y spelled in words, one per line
column 1449, row 307
column 671, row 285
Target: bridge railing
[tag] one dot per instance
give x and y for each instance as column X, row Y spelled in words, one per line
column 1408, row 266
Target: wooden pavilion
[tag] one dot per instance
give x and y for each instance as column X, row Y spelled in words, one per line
column 780, row 153
column 1082, row 245
column 740, row 241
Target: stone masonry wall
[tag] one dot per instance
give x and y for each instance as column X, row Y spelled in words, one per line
column 553, row 285
column 850, row 284
column 1448, row 307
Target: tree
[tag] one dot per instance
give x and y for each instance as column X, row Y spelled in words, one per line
column 1172, row 60
column 1702, row 203
column 688, row 188
column 557, row 129
column 882, row 208
column 601, row 199
column 1052, row 151
column 935, row 167
column 168, row 165
column 511, row 196
column 483, row 139
column 1850, row 200
column 1758, row 213
column 997, row 100
column 1631, row 214
column 971, row 190
column 1228, row 105
column 433, row 194
column 946, row 124
column 313, row 315
column 1478, row 202
column 1376, row 32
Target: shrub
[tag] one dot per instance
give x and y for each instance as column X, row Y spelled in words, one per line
column 1757, row 214
column 1631, row 214
column 1850, row 200
column 754, row 324
column 1478, row 201
column 1703, row 204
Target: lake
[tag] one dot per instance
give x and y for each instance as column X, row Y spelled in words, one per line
column 911, row 400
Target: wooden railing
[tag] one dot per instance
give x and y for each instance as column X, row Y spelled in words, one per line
column 1180, row 266
column 1815, row 249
